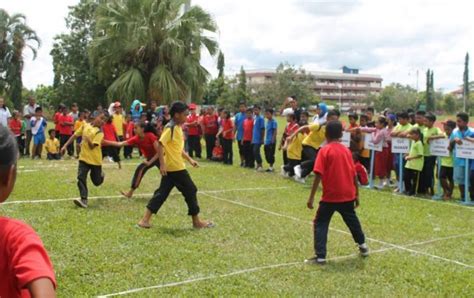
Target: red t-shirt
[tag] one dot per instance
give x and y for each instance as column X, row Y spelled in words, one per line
column 361, row 173
column 65, row 129
column 210, row 124
column 129, row 132
column 23, row 258
column 336, row 167
column 15, row 127
column 145, row 145
column 193, row 130
column 56, row 120
column 228, row 125
column 248, row 129
column 110, row 132
column 218, row 152
column 291, row 128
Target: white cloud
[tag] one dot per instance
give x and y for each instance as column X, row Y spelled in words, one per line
column 390, row 38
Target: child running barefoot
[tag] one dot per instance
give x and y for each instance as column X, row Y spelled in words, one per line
column 173, row 170
column 25, row 267
column 335, row 168
column 147, row 143
column 90, row 158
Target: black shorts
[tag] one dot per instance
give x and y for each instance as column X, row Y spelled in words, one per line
column 446, row 173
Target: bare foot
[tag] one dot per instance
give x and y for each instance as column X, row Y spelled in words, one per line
column 203, row 224
column 127, row 194
column 144, row 225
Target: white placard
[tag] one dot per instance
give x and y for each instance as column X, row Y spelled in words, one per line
column 440, row 147
column 400, row 145
column 465, row 150
column 371, row 146
column 346, row 139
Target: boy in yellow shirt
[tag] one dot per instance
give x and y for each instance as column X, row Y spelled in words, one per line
column 90, row 158
column 173, row 170
column 293, row 149
column 52, row 146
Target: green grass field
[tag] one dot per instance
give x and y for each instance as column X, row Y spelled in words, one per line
column 418, row 247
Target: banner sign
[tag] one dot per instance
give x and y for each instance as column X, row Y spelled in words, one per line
column 346, row 139
column 400, row 145
column 440, row 147
column 465, row 150
column 371, row 146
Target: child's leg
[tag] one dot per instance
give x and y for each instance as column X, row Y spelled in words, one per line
column 309, row 157
column 321, row 226
column 352, row 221
column 97, row 175
column 158, row 199
column 39, row 148
column 407, row 179
column 257, row 155
column 231, row 151
column 450, row 179
column 471, row 185
column 82, row 172
column 140, row 172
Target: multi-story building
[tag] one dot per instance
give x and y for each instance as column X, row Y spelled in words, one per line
column 349, row 87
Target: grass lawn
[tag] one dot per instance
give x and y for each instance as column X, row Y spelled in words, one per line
column 263, row 234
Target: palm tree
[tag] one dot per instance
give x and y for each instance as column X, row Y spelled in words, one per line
column 152, row 49
column 15, row 36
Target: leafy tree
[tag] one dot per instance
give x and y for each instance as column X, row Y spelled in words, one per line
column 449, row 104
column 151, row 49
column 242, row 86
column 466, row 82
column 221, row 64
column 15, row 37
column 430, row 96
column 395, row 96
column 74, row 80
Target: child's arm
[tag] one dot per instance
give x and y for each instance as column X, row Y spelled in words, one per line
column 469, row 139
column 71, row 139
column 317, row 180
column 436, row 137
column 41, row 287
column 189, row 159
column 357, row 192
column 413, row 157
column 274, row 135
column 156, row 157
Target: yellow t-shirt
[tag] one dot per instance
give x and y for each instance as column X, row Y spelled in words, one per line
column 91, row 156
column 52, row 145
column 416, row 149
column 117, row 121
column 316, row 136
column 78, row 124
column 295, row 147
column 172, row 140
column 429, row 132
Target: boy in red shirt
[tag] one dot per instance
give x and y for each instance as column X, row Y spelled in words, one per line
column 25, row 267
column 15, row 126
column 335, row 168
column 361, row 172
column 210, row 128
column 227, row 133
column 194, row 139
column 110, row 134
column 66, row 124
column 247, row 140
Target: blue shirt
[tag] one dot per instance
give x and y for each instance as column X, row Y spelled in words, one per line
column 270, row 130
column 258, row 125
column 460, row 162
column 239, row 124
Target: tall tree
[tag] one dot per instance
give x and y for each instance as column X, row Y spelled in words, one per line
column 242, row 86
column 430, row 96
column 74, row 79
column 15, row 37
column 221, row 64
column 151, row 49
column 466, row 84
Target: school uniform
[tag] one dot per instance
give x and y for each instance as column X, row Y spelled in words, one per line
column 118, row 121
column 65, row 132
column 194, row 140
column 396, row 158
column 15, row 127
column 413, row 168
column 311, row 145
column 294, row 152
column 427, row 174
column 247, row 143
column 258, row 127
column 110, row 134
column 239, row 125
column 270, row 143
column 447, row 168
column 335, row 166
column 172, row 140
column 211, row 129
column 147, row 148
column 290, row 129
column 52, row 149
column 227, row 141
column 459, row 163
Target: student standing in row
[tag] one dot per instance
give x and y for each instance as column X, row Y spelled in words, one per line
column 258, row 136
column 226, row 133
column 290, row 128
column 239, row 130
column 194, row 139
column 210, row 128
column 401, row 130
column 173, row 171
column 66, row 124
column 247, row 140
column 414, row 164
column 38, row 126
column 446, row 173
column 271, row 131
column 427, row 174
column 110, row 135
column 461, row 132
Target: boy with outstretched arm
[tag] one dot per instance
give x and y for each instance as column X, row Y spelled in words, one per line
column 90, row 157
column 335, row 168
column 173, row 170
column 25, row 267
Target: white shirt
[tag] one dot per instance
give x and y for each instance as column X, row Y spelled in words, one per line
column 29, row 110
column 4, row 116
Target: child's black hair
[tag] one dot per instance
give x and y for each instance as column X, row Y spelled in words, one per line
column 417, row 131
column 178, row 107
column 269, row 110
column 420, row 113
column 463, row 116
column 8, row 149
column 51, row 131
column 430, row 117
column 333, row 113
column 382, row 120
column 365, row 117
column 333, row 130
column 303, row 113
column 353, row 115
column 256, row 107
column 147, row 127
column 292, row 116
column 249, row 110
column 371, row 109
column 403, row 115
column 38, row 109
column 451, row 124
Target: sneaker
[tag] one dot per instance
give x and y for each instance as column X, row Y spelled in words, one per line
column 82, row 203
column 270, row 170
column 315, row 261
column 299, row 179
column 364, row 250
column 298, row 171
column 260, row 169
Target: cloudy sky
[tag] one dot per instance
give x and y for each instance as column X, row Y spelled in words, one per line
column 392, row 38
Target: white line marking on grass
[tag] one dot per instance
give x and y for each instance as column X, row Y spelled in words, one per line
column 261, row 268
column 344, row 232
column 143, row 195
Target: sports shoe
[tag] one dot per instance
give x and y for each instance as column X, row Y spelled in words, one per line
column 82, row 203
column 260, row 169
column 315, row 261
column 363, row 249
column 298, row 171
column 270, row 170
column 299, row 179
